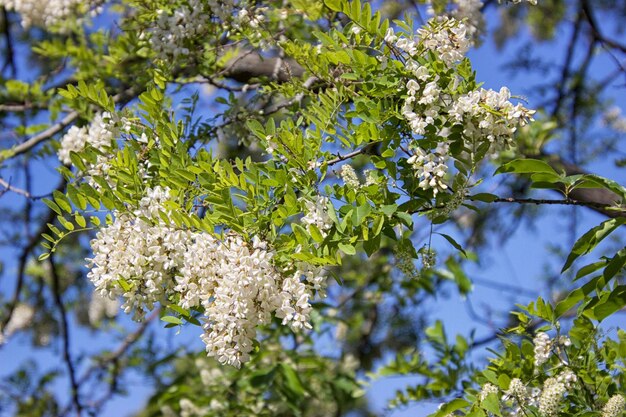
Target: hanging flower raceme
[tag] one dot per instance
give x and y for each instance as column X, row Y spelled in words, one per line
column 147, row 261
column 45, row 14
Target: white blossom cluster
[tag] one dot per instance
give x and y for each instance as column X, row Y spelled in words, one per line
column 147, row 261
column 447, row 37
column 316, row 213
column 252, row 18
column 613, row 119
column 517, row 390
column 431, row 167
column 614, row 407
column 543, row 347
column 173, row 32
column 487, row 389
column 21, row 318
column 99, row 134
column 567, row 378
column 483, row 115
column 490, row 114
column 43, row 13
column 471, row 12
column 349, row 177
column 550, row 399
column 101, row 308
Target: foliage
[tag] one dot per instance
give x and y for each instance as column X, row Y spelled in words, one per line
column 338, row 144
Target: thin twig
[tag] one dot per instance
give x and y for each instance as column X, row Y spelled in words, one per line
column 65, row 334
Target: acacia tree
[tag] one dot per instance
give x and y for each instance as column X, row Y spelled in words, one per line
column 232, row 166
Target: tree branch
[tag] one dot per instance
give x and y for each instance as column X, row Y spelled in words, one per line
column 599, row 199
column 65, row 334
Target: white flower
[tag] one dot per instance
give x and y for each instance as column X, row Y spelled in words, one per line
column 317, row 214
column 101, row 307
column 390, row 36
column 550, row 398
column 348, row 175
column 147, row 260
column 568, row 378
column 43, row 13
column 173, row 33
column 447, row 37
column 487, row 389
column 21, row 318
column 517, row 390
column 431, row 168
column 613, row 119
column 543, row 345
column 614, row 407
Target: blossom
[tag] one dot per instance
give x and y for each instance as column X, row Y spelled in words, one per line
column 487, row 389
column 98, row 134
column 517, row 390
column 613, row 119
column 21, row 317
column 550, row 398
column 317, row 214
column 568, row 378
column 172, row 33
column 614, row 407
column 41, row 13
column 390, row 36
column 146, row 260
column 430, row 167
column 101, row 307
column 543, row 345
column 348, row 175
column 447, row 37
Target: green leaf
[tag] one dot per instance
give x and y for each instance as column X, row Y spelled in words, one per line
column 347, row 249
column 53, row 206
column 172, row 320
column 615, row 264
column 451, row 407
column 491, row 404
column 315, row 233
column 453, row 243
column 615, row 302
column 587, row 242
column 389, row 209
column 526, row 166
column 292, row 382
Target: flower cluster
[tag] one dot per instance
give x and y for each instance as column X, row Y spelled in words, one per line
column 317, row 214
column 172, row 34
column 614, row 407
column 613, row 119
column 433, row 109
column 517, row 390
column 543, row 346
column 471, row 10
column 147, row 261
column 447, row 37
column 430, row 168
column 99, row 134
column 21, row 318
column 101, row 307
column 41, row 13
column 349, row 177
column 487, row 389
column 550, row 398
